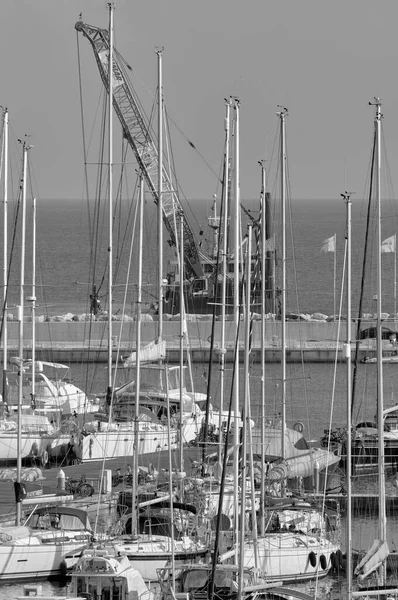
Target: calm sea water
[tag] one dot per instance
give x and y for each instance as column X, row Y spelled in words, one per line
column 72, row 243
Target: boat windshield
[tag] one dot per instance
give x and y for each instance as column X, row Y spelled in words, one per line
column 301, row 444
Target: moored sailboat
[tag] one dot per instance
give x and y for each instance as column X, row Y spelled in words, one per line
column 296, row 544
column 27, row 551
column 116, row 430
column 374, row 563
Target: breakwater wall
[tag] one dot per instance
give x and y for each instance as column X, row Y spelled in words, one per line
column 88, row 340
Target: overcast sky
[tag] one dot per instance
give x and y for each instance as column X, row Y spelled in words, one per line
column 323, row 60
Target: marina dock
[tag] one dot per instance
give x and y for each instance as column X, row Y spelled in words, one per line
column 86, row 341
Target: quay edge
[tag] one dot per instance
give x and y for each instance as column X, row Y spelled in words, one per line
column 87, row 341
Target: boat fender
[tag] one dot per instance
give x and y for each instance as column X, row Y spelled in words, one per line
column 323, row 561
column 35, row 449
column 63, row 568
column 298, row 427
column 339, row 558
column 312, row 559
column 44, row 457
column 333, row 561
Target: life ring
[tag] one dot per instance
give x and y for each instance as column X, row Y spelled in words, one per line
column 44, row 457
column 323, row 561
column 298, row 427
column 312, row 559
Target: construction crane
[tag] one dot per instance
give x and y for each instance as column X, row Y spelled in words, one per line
column 137, row 133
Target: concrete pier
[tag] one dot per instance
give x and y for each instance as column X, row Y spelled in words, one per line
column 88, row 341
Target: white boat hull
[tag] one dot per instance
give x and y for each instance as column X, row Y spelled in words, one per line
column 32, row 446
column 393, row 359
column 31, row 560
column 147, row 556
column 29, row 444
column 120, row 440
column 291, row 558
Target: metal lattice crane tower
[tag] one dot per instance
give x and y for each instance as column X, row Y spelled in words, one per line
column 137, row 133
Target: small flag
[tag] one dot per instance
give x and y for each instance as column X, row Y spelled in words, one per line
column 389, row 244
column 329, row 245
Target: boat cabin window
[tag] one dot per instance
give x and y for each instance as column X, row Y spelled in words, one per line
column 45, row 520
column 391, row 421
column 301, row 444
column 199, row 285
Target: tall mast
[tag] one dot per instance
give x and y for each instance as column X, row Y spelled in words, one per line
column 236, row 321
column 32, row 301
column 347, row 354
column 160, row 195
column 110, row 222
column 182, row 327
column 5, row 251
column 282, row 114
column 21, row 344
column 380, row 399
column 224, row 225
column 245, row 424
column 134, row 528
column 263, row 311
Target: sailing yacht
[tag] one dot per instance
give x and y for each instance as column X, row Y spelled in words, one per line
column 47, row 544
column 374, row 563
column 33, row 400
column 114, row 436
column 54, row 393
column 100, row 573
column 297, row 542
column 35, row 549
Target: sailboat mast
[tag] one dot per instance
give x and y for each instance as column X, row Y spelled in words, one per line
column 160, row 195
column 236, row 319
column 138, row 358
column 110, row 221
column 380, row 399
column 32, row 300
column 282, row 114
column 263, row 283
column 5, row 251
column 182, row 326
column 347, row 353
column 224, row 218
column 245, row 424
column 21, row 332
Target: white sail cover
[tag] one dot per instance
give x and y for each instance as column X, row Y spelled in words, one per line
column 149, row 353
column 374, row 557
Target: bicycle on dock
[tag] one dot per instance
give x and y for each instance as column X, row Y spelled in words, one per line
column 79, row 487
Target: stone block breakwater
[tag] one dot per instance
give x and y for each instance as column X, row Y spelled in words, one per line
column 71, row 340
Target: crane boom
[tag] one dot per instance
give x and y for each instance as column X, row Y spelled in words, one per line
column 138, row 135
